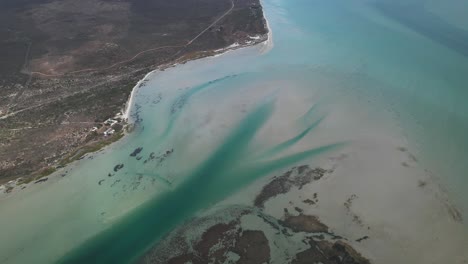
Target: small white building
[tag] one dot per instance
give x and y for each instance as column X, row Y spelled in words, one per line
column 111, row 122
column 109, row 132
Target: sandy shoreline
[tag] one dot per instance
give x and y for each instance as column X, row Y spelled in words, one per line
column 131, row 98
column 220, row 52
column 267, row 45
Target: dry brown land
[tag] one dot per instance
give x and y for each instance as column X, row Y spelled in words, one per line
column 66, row 66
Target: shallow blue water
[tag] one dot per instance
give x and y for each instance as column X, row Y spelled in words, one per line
column 212, row 127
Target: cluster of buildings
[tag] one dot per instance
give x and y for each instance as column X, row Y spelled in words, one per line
column 108, row 127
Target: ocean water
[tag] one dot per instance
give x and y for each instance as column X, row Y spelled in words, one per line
column 340, row 73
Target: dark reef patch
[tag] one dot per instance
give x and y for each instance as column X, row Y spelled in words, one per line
column 118, row 167
column 136, row 152
column 296, row 177
column 226, row 240
column 41, row 180
column 329, row 253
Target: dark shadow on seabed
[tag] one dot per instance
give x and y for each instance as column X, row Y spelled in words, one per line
column 226, row 171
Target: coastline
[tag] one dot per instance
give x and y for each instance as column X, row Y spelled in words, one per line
column 200, row 55
column 90, row 89
column 268, row 44
column 129, row 103
column 265, row 40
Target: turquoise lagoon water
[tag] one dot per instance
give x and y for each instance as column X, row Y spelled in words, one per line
column 211, row 127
